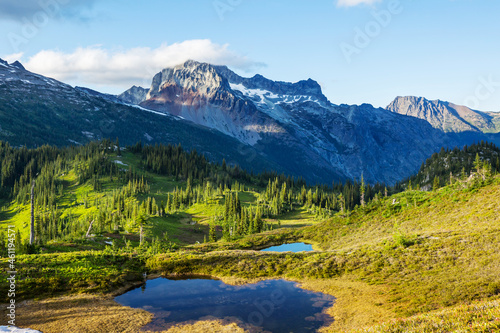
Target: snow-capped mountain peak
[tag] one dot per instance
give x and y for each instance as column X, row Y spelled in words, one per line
column 293, row 120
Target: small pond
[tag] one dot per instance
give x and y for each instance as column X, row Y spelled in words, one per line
column 294, row 247
column 267, row 306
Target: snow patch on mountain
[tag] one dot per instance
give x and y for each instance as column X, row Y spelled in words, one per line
column 75, row 142
column 152, row 111
column 270, row 99
column 253, row 93
column 89, row 135
column 264, row 129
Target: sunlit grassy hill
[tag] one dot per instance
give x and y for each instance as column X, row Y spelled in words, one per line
column 426, row 250
column 432, row 249
column 80, row 202
column 415, row 261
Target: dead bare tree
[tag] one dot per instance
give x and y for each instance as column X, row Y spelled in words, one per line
column 32, row 226
column 90, row 228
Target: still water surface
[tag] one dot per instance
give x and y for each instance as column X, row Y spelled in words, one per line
column 294, row 247
column 276, row 306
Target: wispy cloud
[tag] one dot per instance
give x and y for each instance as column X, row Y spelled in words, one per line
column 19, row 10
column 96, row 65
column 351, row 3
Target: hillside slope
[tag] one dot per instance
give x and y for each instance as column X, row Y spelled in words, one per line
column 413, row 253
column 446, row 116
column 454, row 165
column 36, row 110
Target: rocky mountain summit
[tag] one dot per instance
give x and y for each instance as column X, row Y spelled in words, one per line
column 446, row 116
column 134, row 95
column 295, row 124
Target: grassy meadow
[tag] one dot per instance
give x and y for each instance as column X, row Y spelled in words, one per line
column 412, row 262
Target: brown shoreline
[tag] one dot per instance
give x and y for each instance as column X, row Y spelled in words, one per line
column 357, row 304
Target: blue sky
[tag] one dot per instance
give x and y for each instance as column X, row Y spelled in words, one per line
column 360, row 51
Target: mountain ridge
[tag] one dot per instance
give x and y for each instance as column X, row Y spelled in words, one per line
column 276, row 116
column 36, row 110
column 291, row 128
column 446, row 116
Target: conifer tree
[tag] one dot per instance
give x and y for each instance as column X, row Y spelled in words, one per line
column 478, row 164
column 141, row 221
column 435, row 184
column 212, row 237
column 32, row 224
column 342, row 203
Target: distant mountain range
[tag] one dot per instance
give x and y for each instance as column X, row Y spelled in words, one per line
column 446, row 116
column 255, row 122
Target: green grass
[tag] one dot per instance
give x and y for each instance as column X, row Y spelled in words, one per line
column 92, row 271
column 18, row 216
column 430, row 251
column 247, row 198
column 294, row 219
column 179, row 228
column 202, row 212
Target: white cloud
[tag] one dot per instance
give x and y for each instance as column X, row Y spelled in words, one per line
column 10, row 58
column 351, row 3
column 96, row 66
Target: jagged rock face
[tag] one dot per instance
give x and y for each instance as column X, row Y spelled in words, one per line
column 191, row 76
column 296, row 125
column 134, row 95
column 17, row 64
column 301, row 88
column 196, row 92
column 446, row 116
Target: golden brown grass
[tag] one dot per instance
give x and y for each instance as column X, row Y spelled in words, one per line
column 477, row 317
column 357, row 304
column 207, row 326
column 82, row 313
column 424, row 213
column 100, row 314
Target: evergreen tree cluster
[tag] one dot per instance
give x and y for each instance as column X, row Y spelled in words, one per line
column 48, row 165
column 129, row 206
column 171, row 160
column 238, row 220
column 449, row 164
